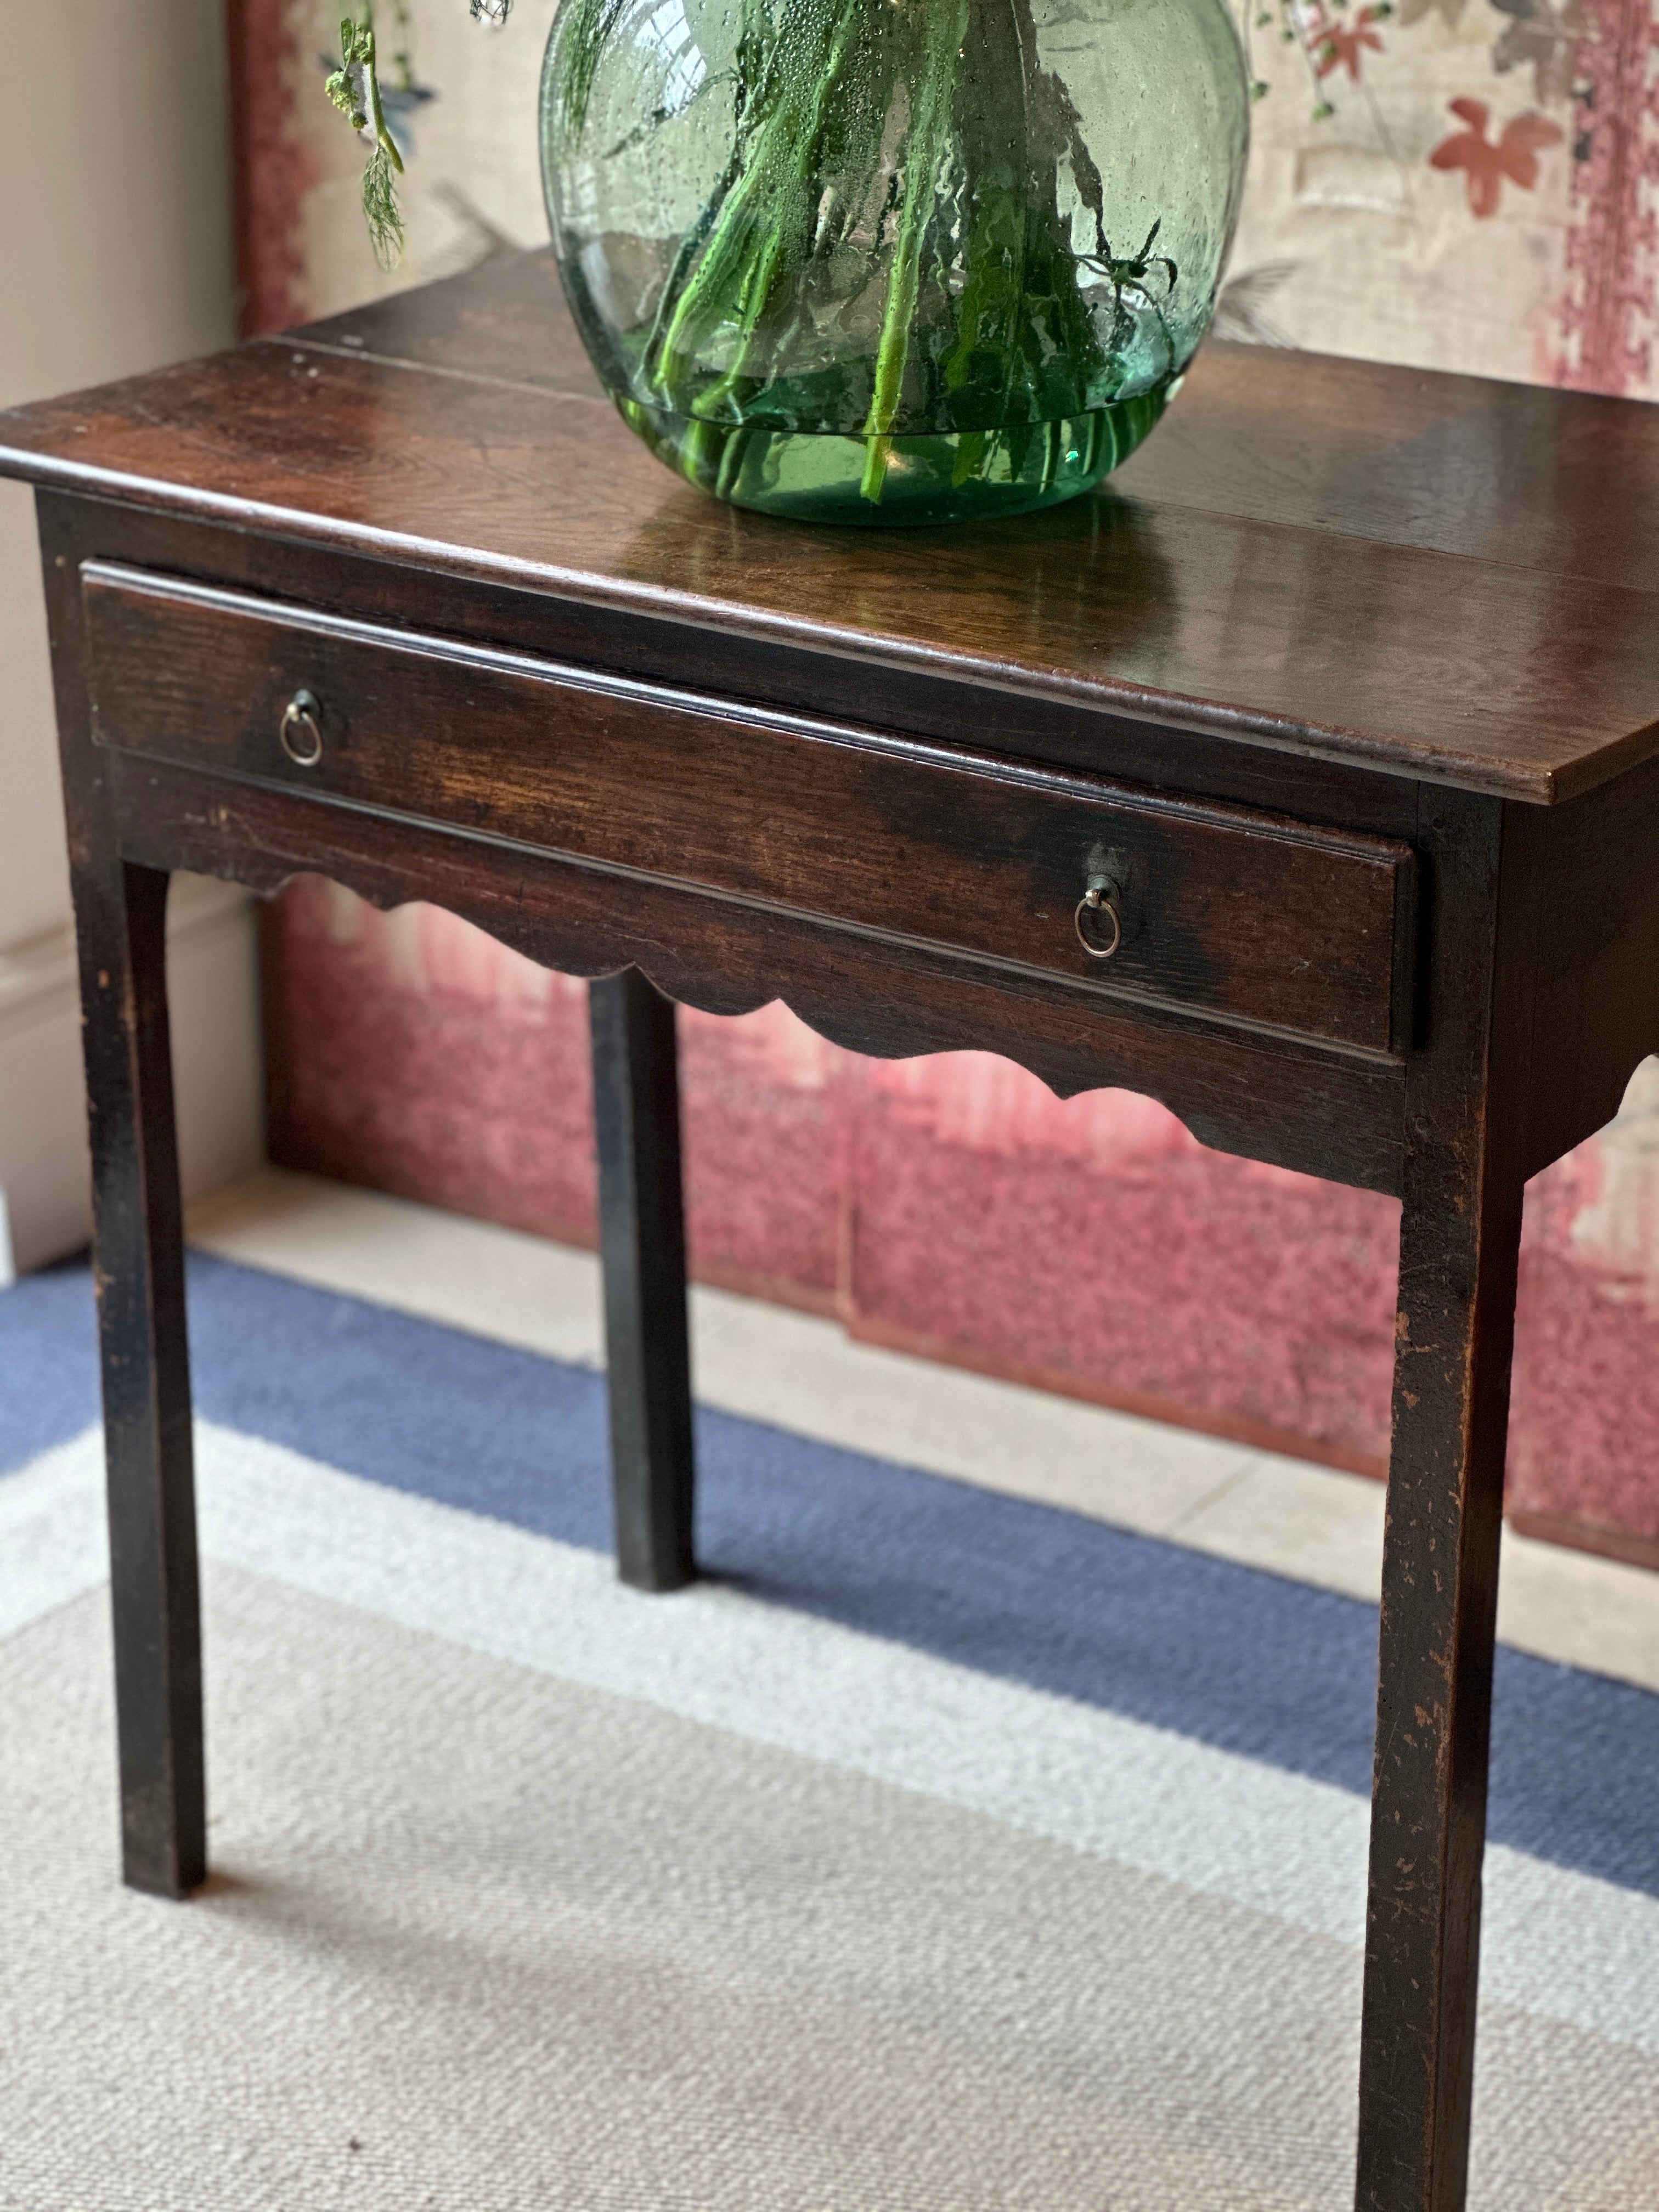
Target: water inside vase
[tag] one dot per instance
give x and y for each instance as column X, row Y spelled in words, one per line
column 901, row 481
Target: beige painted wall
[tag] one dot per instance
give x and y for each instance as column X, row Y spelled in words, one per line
column 116, row 255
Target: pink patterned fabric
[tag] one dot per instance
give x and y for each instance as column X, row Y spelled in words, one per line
column 1607, row 317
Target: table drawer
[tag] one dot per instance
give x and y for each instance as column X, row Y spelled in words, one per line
column 1245, row 917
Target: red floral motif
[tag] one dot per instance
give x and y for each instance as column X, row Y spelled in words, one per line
column 1486, row 162
column 1334, row 42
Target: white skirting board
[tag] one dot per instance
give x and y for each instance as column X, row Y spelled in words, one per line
column 214, row 990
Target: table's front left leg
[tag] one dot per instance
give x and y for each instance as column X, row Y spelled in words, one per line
column 139, row 1269
column 636, row 1114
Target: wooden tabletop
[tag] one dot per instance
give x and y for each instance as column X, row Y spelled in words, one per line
column 1441, row 575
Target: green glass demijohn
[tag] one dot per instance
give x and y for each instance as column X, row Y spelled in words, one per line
column 892, row 261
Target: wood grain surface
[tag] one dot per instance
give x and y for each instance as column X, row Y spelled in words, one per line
column 928, row 702
column 1297, row 1104
column 1240, row 915
column 1451, row 579
column 1520, row 474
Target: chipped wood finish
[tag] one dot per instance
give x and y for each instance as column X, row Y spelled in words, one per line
column 1361, row 725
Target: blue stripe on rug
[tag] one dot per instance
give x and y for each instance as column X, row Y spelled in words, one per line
column 1226, row 1655
column 48, row 1362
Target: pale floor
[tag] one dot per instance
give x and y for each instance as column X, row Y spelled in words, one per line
column 805, row 1375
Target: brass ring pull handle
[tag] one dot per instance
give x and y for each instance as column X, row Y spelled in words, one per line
column 1096, row 912
column 302, row 730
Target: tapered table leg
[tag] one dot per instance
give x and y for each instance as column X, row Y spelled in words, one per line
column 138, row 1255
column 1458, row 1244
column 642, row 1241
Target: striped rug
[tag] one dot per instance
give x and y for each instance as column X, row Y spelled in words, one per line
column 941, row 1849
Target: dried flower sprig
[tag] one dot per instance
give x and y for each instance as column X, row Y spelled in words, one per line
column 355, row 89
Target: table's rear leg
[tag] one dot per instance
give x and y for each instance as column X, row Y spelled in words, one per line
column 643, row 1241
column 138, row 1263
column 1459, row 1239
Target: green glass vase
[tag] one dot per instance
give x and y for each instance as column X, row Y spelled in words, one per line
column 892, row 261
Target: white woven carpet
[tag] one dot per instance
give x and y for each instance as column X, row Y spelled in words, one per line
column 535, row 1896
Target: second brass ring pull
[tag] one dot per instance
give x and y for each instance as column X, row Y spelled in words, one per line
column 1099, row 908
column 302, row 730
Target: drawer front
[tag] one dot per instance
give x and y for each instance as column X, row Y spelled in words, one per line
column 1244, row 917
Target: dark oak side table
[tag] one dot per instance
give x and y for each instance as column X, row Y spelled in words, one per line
column 1307, row 778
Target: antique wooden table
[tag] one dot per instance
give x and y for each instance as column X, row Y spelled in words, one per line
column 1308, row 779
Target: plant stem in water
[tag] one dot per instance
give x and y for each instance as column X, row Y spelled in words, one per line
column 932, row 103
column 764, row 223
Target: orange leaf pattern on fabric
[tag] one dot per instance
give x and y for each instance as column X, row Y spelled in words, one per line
column 1487, row 163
